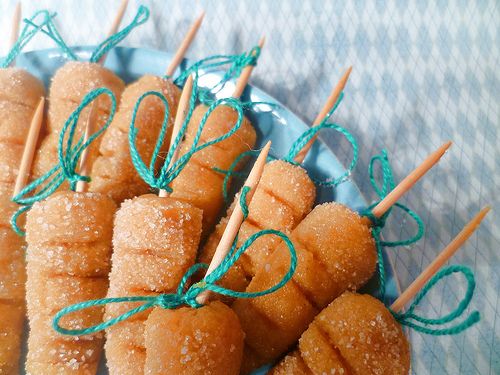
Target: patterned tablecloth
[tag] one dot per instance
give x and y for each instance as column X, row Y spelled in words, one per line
column 424, row 72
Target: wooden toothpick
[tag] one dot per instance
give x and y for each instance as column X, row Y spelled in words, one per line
column 29, row 147
column 115, row 25
column 236, row 218
column 410, row 180
column 180, row 116
column 245, row 75
column 332, row 99
column 439, row 261
column 14, row 33
column 184, row 46
column 81, row 186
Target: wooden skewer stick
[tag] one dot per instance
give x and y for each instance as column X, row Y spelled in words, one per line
column 245, row 75
column 410, row 180
column 236, row 218
column 116, row 24
column 181, row 51
column 29, row 147
column 332, row 99
column 81, row 186
column 180, row 116
column 439, row 261
column 16, row 21
column 14, row 33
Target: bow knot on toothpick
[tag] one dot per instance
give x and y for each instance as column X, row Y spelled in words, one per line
column 171, row 169
column 425, row 325
column 184, row 296
column 39, row 22
column 69, row 153
column 378, row 223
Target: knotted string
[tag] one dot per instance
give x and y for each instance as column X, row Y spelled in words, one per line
column 69, row 153
column 33, row 25
column 236, row 64
column 421, row 324
column 309, row 134
column 181, row 296
column 378, row 224
column 169, row 172
column 296, row 147
column 108, row 44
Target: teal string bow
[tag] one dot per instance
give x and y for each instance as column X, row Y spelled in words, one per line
column 102, row 49
column 236, row 64
column 425, row 325
column 382, row 190
column 294, row 150
column 185, row 296
column 40, row 21
column 169, row 172
column 49, row 28
column 68, row 152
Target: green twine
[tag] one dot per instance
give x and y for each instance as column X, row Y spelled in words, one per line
column 296, row 147
column 309, row 134
column 108, row 44
column 236, row 64
column 68, row 153
column 188, row 297
column 421, row 324
column 169, row 172
column 378, row 223
column 33, row 25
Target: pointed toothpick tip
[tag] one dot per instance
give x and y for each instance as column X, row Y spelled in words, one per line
column 200, row 18
column 262, row 41
column 482, row 214
column 440, row 260
column 16, row 24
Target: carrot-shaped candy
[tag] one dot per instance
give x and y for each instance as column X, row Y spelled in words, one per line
column 21, row 108
column 68, row 255
column 204, row 337
column 73, row 81
column 357, row 334
column 113, row 172
column 337, row 250
column 284, row 197
column 207, row 194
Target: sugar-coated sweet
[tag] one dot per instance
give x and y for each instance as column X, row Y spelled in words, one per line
column 69, row 86
column 113, row 173
column 355, row 334
column 335, row 252
column 207, row 340
column 155, row 242
column 68, row 258
column 20, row 93
column 285, row 195
column 198, row 183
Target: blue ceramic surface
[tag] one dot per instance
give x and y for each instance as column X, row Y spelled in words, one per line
column 279, row 124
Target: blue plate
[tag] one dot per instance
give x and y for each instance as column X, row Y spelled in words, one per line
column 279, row 124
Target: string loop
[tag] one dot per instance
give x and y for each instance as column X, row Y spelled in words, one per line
column 295, row 149
column 68, row 153
column 236, row 64
column 424, row 325
column 109, row 43
column 378, row 223
column 181, row 296
column 170, row 171
column 35, row 24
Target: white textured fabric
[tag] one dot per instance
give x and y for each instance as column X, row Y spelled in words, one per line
column 424, row 72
